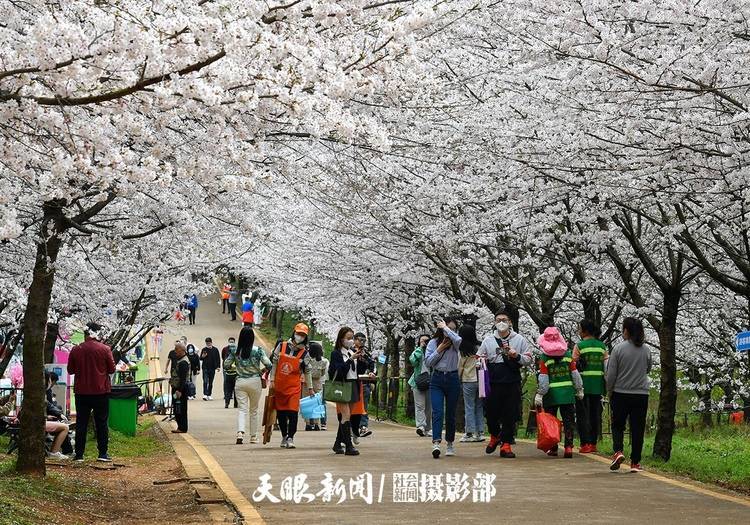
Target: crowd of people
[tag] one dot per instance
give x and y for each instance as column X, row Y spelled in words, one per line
column 571, row 383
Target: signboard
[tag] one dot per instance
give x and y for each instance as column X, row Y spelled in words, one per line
column 742, row 342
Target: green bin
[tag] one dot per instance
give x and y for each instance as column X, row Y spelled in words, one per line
column 123, row 408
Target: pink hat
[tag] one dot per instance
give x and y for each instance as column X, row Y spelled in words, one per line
column 552, row 343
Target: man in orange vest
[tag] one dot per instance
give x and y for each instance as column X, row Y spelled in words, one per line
column 291, row 360
column 225, row 297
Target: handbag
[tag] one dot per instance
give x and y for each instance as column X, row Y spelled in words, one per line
column 338, row 391
column 422, row 380
column 189, row 388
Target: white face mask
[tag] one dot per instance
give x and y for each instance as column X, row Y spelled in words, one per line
column 298, row 338
column 348, row 343
column 502, row 326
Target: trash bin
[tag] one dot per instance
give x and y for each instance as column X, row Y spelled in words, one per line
column 123, row 408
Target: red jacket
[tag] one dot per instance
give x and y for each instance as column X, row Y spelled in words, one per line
column 92, row 363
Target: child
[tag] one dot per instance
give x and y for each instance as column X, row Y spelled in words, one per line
column 590, row 355
column 179, row 316
column 559, row 384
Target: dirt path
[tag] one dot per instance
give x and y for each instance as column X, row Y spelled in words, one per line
column 532, row 488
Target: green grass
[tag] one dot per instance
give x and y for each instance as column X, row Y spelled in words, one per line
column 20, row 495
column 719, row 455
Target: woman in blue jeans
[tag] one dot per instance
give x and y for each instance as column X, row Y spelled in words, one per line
column 442, row 358
column 467, row 375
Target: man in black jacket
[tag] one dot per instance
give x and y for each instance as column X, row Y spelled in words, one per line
column 178, row 381
column 210, row 362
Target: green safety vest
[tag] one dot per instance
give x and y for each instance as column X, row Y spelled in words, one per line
column 561, row 390
column 591, row 365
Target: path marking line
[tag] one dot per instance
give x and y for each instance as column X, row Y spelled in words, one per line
column 670, row 481
column 246, row 509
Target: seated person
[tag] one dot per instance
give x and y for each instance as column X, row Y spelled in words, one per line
column 56, row 428
column 7, row 404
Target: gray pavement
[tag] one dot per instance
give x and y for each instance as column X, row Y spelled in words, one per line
column 531, row 488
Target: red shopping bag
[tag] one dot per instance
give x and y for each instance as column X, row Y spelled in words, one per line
column 547, row 430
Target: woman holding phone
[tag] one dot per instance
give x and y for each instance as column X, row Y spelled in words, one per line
column 442, row 357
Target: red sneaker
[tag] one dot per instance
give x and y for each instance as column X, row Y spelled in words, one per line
column 506, row 451
column 593, row 448
column 568, row 452
column 636, row 467
column 585, row 449
column 617, row 459
column 492, row 445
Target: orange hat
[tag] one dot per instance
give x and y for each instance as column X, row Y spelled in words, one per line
column 302, row 328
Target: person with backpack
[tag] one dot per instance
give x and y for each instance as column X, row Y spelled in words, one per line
column 248, row 314
column 628, row 387
column 590, row 355
column 291, row 362
column 442, row 357
column 505, row 352
column 250, row 362
column 467, row 374
column 558, row 384
column 420, row 387
column 230, row 373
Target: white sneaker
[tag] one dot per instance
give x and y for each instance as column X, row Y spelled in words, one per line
column 290, row 443
column 467, row 438
column 57, row 455
column 210, row 398
column 283, row 443
column 205, row 398
column 449, row 450
column 478, row 438
column 253, row 440
column 436, row 449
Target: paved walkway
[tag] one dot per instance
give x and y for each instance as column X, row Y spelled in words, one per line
column 531, row 488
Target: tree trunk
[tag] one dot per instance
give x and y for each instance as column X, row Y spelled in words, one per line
column 279, row 323
column 668, row 378
column 49, row 342
column 31, row 442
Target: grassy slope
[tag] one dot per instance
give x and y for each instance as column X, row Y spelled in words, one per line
column 19, row 496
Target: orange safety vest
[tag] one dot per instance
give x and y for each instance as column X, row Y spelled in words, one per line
column 287, row 385
column 359, row 407
column 225, row 292
column 248, row 317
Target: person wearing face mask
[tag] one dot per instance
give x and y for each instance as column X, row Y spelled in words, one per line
column 442, row 357
column 195, row 364
column 421, row 388
column 506, row 352
column 230, row 373
column 346, row 365
column 319, row 371
column 291, row 361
